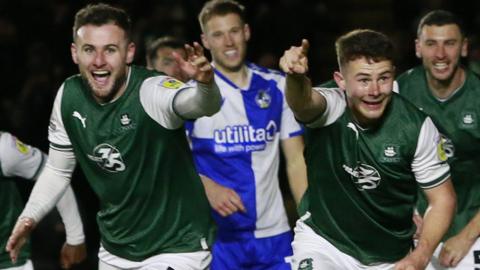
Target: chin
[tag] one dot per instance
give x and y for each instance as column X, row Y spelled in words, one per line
column 443, row 76
column 374, row 115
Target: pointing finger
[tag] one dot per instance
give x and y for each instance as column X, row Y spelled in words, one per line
column 305, row 46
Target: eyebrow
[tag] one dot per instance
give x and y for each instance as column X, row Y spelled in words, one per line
column 105, row 46
column 361, row 74
column 436, row 39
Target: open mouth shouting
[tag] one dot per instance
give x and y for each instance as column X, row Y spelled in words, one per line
column 101, row 77
column 373, row 104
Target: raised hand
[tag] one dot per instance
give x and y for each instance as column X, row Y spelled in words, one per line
column 294, row 60
column 72, row 254
column 223, row 200
column 19, row 236
column 196, row 66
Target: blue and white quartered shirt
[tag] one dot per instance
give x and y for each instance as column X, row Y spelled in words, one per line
column 238, row 147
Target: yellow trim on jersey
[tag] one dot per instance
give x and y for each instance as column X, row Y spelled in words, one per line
column 21, row 147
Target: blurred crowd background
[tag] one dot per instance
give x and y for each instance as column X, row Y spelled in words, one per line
column 35, row 39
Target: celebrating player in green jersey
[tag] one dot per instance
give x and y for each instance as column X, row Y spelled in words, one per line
column 450, row 94
column 124, row 125
column 367, row 151
column 20, row 160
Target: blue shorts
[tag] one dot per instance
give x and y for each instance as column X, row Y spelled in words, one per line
column 254, row 253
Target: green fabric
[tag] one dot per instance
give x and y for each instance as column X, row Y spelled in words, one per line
column 370, row 220
column 11, row 207
column 458, row 119
column 152, row 200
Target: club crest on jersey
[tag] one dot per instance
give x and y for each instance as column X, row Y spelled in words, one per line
column 171, row 83
column 306, row 264
column 263, row 99
column 108, row 158
column 125, row 119
column 390, row 153
column 469, row 120
column 364, row 176
column 21, row 147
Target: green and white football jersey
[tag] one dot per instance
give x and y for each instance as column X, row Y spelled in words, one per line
column 16, row 160
column 458, row 119
column 362, row 183
column 135, row 155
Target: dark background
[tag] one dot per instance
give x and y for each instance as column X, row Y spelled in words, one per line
column 35, row 39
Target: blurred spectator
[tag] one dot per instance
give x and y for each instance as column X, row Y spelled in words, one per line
column 159, row 56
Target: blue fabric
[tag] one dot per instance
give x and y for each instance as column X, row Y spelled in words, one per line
column 253, row 254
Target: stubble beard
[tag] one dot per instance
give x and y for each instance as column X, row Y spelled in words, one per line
column 110, row 93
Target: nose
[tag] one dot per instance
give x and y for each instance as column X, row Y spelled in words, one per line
column 99, row 60
column 374, row 89
column 228, row 40
column 440, row 52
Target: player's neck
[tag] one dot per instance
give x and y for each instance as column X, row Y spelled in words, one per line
column 239, row 77
column 444, row 89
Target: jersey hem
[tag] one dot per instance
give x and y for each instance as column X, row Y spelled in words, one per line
column 367, row 260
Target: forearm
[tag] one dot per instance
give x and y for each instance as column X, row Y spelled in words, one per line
column 472, row 229
column 47, row 191
column 436, row 222
column 297, row 178
column 51, row 184
column 295, row 166
column 304, row 102
column 68, row 209
column 193, row 103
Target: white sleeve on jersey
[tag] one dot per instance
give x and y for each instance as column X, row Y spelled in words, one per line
column 19, row 159
column 157, row 100
column 51, row 184
column 199, row 101
column 68, row 209
column 335, row 106
column 396, row 87
column 57, row 135
column 429, row 163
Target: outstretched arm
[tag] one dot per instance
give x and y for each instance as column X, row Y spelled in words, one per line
column 305, row 103
column 205, row 99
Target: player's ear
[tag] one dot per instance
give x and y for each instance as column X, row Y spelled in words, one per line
column 205, row 44
column 246, row 31
column 130, row 52
column 417, row 49
column 339, row 79
column 464, row 51
column 73, row 51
